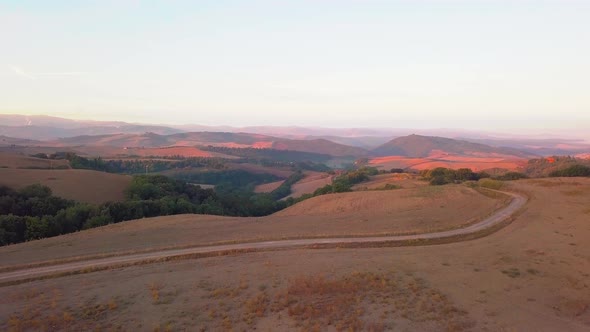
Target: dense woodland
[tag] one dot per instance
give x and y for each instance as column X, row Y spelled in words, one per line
column 34, row 213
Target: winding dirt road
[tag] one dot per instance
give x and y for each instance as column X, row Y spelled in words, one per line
column 517, row 202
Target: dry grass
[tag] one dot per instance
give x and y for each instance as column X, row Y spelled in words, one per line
column 370, row 213
column 573, row 193
column 349, row 303
column 44, row 311
column 310, row 183
column 476, row 163
column 491, row 184
column 268, row 187
column 80, row 185
column 9, row 160
column 359, row 301
column 430, row 285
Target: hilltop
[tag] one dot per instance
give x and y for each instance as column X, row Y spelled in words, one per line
column 417, row 146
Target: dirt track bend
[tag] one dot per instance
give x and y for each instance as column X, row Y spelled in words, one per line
column 499, row 216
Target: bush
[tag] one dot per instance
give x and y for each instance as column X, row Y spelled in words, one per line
column 572, row 171
column 511, row 176
column 441, row 176
column 491, row 184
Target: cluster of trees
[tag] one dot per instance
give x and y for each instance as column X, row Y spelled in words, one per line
column 284, row 189
column 34, row 213
column 542, row 167
column 572, row 171
column 266, row 157
column 441, row 176
column 234, row 178
column 30, row 213
column 342, row 183
column 137, row 166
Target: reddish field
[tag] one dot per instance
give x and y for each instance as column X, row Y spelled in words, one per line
column 448, row 161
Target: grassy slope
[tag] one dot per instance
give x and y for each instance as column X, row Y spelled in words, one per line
column 80, row 185
column 531, row 275
column 386, row 212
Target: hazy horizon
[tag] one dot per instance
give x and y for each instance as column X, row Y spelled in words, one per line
column 494, row 66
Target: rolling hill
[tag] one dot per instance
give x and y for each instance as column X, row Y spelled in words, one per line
column 76, row 184
column 417, row 146
column 219, row 139
column 40, row 127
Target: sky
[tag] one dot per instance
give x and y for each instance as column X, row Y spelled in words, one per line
column 490, row 65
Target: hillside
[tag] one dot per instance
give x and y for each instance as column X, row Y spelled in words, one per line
column 383, row 212
column 13, row 160
column 417, row 146
column 217, row 139
column 542, row 167
column 79, row 185
column 321, row 146
column 9, row 141
column 379, row 204
column 530, row 275
column 41, row 127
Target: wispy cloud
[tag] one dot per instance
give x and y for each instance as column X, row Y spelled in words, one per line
column 19, row 72
column 33, row 76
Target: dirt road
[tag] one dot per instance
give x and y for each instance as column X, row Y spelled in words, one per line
column 499, row 216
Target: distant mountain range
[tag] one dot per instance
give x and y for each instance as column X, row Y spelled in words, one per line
column 413, row 146
column 338, row 142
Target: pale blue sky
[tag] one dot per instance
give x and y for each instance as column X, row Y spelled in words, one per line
column 472, row 64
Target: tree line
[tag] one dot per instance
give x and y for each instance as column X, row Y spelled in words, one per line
column 33, row 212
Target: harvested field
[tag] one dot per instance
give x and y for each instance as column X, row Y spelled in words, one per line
column 80, row 185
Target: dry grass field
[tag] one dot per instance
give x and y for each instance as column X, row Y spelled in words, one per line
column 80, row 185
column 310, row 183
column 454, row 162
column 254, row 168
column 405, row 180
column 531, row 275
column 357, row 213
column 268, row 187
column 11, row 160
